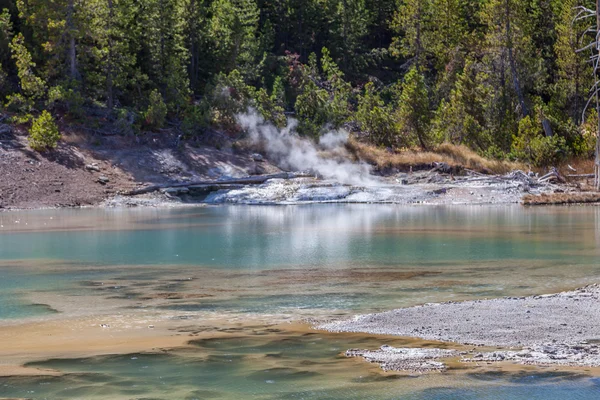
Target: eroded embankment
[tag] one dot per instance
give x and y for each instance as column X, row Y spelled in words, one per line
column 556, row 329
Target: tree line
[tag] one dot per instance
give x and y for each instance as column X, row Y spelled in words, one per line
column 503, row 77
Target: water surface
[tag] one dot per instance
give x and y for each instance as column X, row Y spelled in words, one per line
column 276, row 264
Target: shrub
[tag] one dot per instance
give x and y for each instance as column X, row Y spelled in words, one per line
column 229, row 96
column 157, row 111
column 196, row 119
column 44, row 133
column 18, row 103
column 413, row 109
column 67, row 98
column 127, row 123
column 375, row 118
column 531, row 146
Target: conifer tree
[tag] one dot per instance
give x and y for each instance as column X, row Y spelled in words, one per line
column 573, row 69
column 57, row 27
column 413, row 109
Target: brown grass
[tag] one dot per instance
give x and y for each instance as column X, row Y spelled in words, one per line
column 455, row 156
column 561, row 198
column 582, row 165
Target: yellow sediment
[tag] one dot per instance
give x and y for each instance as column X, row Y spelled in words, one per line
column 81, row 337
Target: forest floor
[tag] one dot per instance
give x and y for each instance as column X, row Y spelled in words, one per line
column 91, row 169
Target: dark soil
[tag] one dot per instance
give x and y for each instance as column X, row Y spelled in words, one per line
column 86, row 169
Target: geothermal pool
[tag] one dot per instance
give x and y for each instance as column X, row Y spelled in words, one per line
column 213, row 302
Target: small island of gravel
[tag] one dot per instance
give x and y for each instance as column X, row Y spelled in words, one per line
column 560, row 329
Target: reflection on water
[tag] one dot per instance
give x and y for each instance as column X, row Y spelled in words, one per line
column 318, row 235
column 282, row 264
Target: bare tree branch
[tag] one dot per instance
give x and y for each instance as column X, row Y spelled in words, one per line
column 589, row 46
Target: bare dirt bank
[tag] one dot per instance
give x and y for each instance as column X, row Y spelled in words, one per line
column 90, row 170
column 557, row 329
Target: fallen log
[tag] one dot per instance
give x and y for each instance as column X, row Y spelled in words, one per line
column 250, row 180
column 553, row 174
column 580, row 176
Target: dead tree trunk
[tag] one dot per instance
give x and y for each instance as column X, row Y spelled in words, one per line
column 597, row 156
column 594, row 46
column 73, row 73
column 109, row 60
column 251, row 180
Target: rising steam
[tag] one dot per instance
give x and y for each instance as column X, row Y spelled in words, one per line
column 329, row 158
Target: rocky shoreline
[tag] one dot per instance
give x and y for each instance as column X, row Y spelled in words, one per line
column 548, row 330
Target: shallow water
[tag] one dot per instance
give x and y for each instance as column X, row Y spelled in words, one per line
column 279, row 264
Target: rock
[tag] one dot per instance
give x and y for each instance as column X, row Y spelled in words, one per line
column 92, row 167
column 103, row 180
column 5, row 129
column 173, row 191
column 257, row 157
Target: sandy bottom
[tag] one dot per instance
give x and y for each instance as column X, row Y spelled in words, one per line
column 82, row 337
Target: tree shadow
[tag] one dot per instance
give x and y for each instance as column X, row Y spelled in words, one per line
column 10, row 141
column 64, row 155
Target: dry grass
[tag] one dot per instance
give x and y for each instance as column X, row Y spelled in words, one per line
column 582, row 165
column 561, row 198
column 455, row 156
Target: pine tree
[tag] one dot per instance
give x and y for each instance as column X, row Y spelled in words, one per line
column 349, row 26
column 376, row 118
column 196, row 40
column 234, row 35
column 413, row 109
column 32, row 85
column 461, row 119
column 409, row 22
column 574, row 70
column 110, row 67
column 511, row 58
column 57, row 27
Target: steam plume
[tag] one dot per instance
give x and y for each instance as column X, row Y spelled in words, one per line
column 329, row 158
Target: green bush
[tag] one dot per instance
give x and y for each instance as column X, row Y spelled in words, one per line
column 156, row 113
column 583, row 145
column 375, row 118
column 227, row 97
column 44, row 133
column 127, row 123
column 272, row 107
column 196, row 119
column 531, row 146
column 18, row 103
column 64, row 97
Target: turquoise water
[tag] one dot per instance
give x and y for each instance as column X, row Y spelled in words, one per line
column 282, row 263
column 304, row 368
column 307, row 367
column 274, row 237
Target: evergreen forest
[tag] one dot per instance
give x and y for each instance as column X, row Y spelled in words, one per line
column 511, row 79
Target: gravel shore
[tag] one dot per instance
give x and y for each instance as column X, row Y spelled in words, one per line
column 555, row 329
